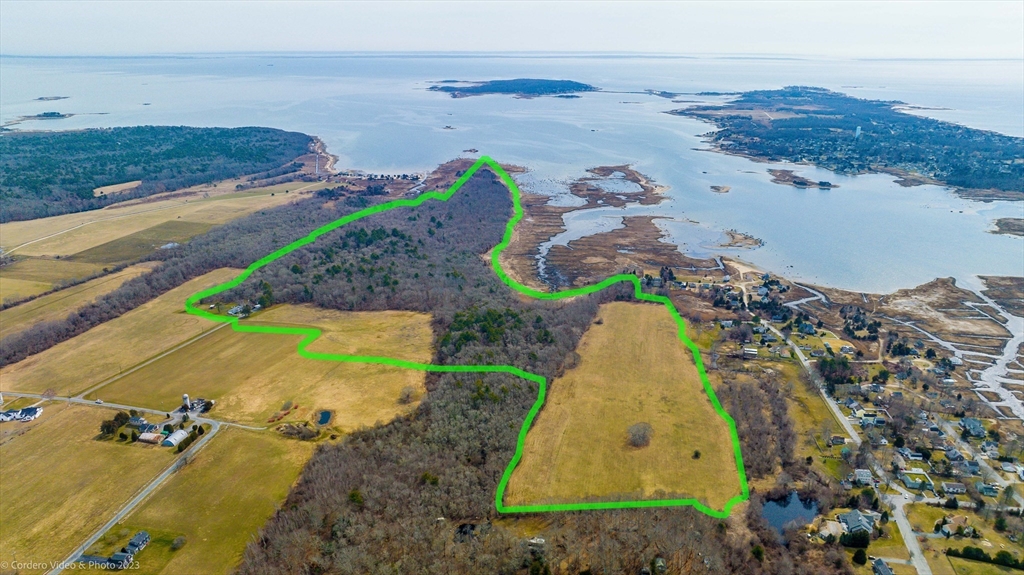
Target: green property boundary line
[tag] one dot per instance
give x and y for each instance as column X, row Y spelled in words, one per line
column 311, row 334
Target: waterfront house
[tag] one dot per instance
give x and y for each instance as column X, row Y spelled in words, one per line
column 855, row 522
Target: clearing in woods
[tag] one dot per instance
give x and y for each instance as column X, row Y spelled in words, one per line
column 310, row 336
column 632, row 369
column 252, row 376
column 59, row 483
column 203, row 503
column 59, row 304
column 85, row 360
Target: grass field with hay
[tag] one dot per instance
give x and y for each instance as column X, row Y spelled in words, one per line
column 632, row 368
column 32, row 276
column 104, row 351
column 142, row 243
column 58, row 483
column 253, row 376
column 59, row 304
column 218, row 502
column 70, row 234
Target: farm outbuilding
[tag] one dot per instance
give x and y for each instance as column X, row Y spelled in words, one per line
column 151, row 437
column 174, row 438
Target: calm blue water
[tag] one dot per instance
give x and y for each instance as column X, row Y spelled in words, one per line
column 790, row 512
column 376, row 115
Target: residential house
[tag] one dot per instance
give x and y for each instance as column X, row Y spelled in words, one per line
column 951, row 488
column 879, row 567
column 808, row 329
column 953, row 454
column 956, row 360
column 750, row 352
column 137, row 543
column 829, row 527
column 863, row 476
column 972, row 426
column 1009, row 467
column 855, row 522
column 899, row 462
column 847, row 349
column 726, row 323
column 986, row 489
column 917, row 479
column 837, row 440
column 955, row 525
column 137, row 421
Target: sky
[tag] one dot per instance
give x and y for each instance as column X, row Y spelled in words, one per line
column 850, row 29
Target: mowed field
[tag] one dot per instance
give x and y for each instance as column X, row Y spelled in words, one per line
column 252, row 375
column 59, row 304
column 70, row 234
column 633, row 368
column 58, row 483
column 218, row 502
column 33, row 276
column 104, row 351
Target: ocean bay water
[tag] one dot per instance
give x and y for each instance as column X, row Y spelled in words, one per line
column 376, row 115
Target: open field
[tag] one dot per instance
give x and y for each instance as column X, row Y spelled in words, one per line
column 33, row 276
column 107, row 349
column 58, row 483
column 204, row 503
column 73, row 233
column 633, row 368
column 134, row 246
column 114, row 189
column 252, row 375
column 59, row 304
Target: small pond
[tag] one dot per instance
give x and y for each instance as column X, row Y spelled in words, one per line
column 324, row 418
column 789, row 512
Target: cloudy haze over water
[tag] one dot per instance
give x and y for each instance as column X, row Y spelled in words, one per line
column 822, row 29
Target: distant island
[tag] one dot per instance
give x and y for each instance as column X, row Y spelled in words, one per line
column 519, row 87
column 853, row 136
column 51, row 98
column 47, row 116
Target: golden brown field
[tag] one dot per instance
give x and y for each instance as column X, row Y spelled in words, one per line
column 59, row 304
column 633, row 368
column 204, row 503
column 73, row 233
column 58, row 483
column 252, row 376
column 33, row 276
column 117, row 345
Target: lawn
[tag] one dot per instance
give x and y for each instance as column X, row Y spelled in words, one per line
column 58, row 305
column 33, row 276
column 107, row 349
column 967, row 567
column 218, row 502
column 924, row 517
column 633, row 369
column 58, row 483
column 252, row 375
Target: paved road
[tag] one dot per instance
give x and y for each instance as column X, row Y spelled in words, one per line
column 909, row 538
column 131, row 505
column 847, row 426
